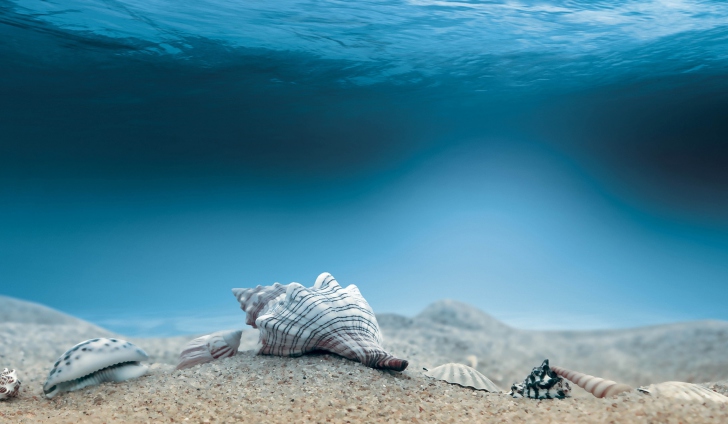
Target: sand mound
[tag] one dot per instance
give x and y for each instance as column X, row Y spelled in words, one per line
column 327, row 388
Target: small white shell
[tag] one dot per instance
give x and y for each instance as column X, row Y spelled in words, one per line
column 93, row 362
column 464, row 376
column 9, row 384
column 221, row 344
column 683, row 391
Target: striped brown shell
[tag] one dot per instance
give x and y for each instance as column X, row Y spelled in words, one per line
column 599, row 387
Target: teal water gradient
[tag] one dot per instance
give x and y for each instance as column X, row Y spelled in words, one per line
column 560, row 165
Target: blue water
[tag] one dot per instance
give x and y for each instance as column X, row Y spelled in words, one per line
column 558, row 164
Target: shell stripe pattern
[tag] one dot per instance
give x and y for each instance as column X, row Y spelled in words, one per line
column 221, row 344
column 323, row 317
column 599, row 387
column 256, row 302
column 309, row 308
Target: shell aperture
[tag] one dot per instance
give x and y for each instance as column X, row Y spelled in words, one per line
column 93, row 362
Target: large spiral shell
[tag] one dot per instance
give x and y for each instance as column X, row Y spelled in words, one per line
column 295, row 320
column 599, row 387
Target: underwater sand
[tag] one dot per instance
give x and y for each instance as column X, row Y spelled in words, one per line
column 326, row 388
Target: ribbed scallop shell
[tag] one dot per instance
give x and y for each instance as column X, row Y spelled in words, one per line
column 683, row 391
column 221, row 344
column 9, row 384
column 464, row 376
column 599, row 387
column 323, row 317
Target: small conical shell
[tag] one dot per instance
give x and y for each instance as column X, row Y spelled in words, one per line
column 684, row 391
column 464, row 376
column 599, row 387
column 222, row 344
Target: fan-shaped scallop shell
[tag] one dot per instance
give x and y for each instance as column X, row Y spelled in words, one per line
column 94, row 362
column 323, row 317
column 464, row 376
column 221, row 344
column 599, row 387
column 683, row 391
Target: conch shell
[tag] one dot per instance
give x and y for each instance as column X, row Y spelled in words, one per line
column 295, row 320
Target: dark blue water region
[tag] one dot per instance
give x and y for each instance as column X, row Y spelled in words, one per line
column 153, row 157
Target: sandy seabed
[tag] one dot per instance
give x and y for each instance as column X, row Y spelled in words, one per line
column 323, row 388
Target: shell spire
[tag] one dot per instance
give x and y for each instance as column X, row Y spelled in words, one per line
column 599, row 387
column 257, row 301
column 221, row 344
column 295, row 320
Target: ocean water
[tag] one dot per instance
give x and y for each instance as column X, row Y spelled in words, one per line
column 558, row 164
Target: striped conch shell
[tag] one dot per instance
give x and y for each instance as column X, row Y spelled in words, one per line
column 599, row 387
column 94, row 362
column 221, row 344
column 683, row 391
column 464, row 376
column 326, row 317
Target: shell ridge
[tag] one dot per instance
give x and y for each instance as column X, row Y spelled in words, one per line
column 300, row 305
column 275, row 325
